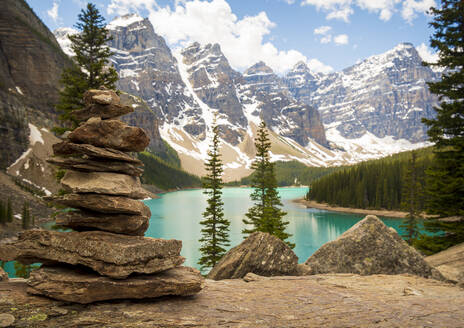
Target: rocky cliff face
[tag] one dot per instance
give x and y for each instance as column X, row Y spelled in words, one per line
column 31, row 62
column 384, row 95
column 148, row 70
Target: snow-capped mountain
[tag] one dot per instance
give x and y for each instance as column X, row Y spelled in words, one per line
column 383, row 97
column 189, row 89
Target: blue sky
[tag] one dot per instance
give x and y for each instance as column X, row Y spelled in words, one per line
column 326, row 34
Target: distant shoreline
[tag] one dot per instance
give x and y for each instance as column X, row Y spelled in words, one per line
column 327, row 207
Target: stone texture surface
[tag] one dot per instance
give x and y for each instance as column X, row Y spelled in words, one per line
column 369, row 247
column 3, row 275
column 103, row 203
column 6, row 320
column 261, row 253
column 93, row 165
column 102, row 111
column 112, row 255
column 111, row 134
column 103, row 183
column 69, row 148
column 134, row 225
column 450, row 263
column 101, row 96
column 79, row 286
column 330, row 300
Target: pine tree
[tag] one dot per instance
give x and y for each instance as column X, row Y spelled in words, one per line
column 25, row 216
column 411, row 199
column 9, row 211
column 3, row 218
column 265, row 215
column 215, row 232
column 90, row 70
column 445, row 183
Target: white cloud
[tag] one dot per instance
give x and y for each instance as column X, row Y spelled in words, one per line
column 341, row 39
column 426, row 53
column 412, row 7
column 317, row 66
column 242, row 40
column 326, row 39
column 53, row 11
column 343, row 9
column 322, row 30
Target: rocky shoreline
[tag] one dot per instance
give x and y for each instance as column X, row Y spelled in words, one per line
column 327, row 207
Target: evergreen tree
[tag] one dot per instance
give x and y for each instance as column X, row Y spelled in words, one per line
column 3, row 218
column 25, row 216
column 215, row 231
column 411, row 199
column 445, row 183
column 90, row 70
column 266, row 214
column 9, row 211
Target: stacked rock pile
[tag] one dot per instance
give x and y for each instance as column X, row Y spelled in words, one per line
column 106, row 256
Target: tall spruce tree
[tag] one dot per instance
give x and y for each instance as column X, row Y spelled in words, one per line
column 91, row 69
column 445, row 183
column 411, row 199
column 215, row 231
column 266, row 214
column 9, row 211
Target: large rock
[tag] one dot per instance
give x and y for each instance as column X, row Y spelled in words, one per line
column 103, row 203
column 111, row 134
column 261, row 253
column 68, row 148
column 450, row 263
column 109, row 254
column 369, row 247
column 94, row 165
column 79, row 286
column 3, row 275
column 135, row 225
column 101, row 111
column 101, row 96
column 103, row 183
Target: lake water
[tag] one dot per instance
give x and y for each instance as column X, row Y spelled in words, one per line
column 177, row 215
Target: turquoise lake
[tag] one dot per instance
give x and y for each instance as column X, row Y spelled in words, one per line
column 177, row 215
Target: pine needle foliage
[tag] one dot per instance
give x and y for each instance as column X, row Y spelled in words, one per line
column 412, row 199
column 215, row 231
column 445, row 183
column 91, row 68
column 266, row 215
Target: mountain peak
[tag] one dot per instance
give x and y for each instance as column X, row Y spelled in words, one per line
column 300, row 66
column 124, row 21
column 260, row 68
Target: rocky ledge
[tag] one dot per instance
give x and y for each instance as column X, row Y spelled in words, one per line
column 329, row 300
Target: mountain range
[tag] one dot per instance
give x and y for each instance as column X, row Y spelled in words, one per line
column 369, row 110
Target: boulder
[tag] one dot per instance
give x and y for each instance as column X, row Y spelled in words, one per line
column 369, row 247
column 450, row 263
column 134, row 225
column 111, row 134
column 261, row 253
column 113, row 255
column 95, row 165
column 79, row 286
column 107, row 183
column 3, row 275
column 103, row 203
column 68, row 148
column 101, row 111
column 101, row 96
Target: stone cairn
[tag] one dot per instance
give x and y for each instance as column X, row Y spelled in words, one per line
column 106, row 256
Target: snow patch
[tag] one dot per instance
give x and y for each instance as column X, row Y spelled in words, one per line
column 124, row 21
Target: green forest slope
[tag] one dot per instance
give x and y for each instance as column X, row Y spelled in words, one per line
column 374, row 184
